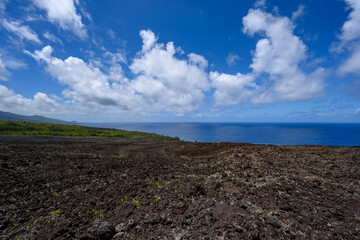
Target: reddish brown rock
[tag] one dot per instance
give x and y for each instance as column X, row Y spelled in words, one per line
column 55, row 187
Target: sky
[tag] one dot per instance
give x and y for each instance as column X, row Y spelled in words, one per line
column 181, row 61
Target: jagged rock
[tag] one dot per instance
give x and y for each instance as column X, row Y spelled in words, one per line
column 148, row 192
column 273, row 221
column 100, row 230
column 4, row 222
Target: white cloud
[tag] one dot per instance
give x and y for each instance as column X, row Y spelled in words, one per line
column 113, row 58
column 64, row 14
column 22, row 31
column 169, row 83
column 52, row 37
column 198, row 60
column 40, row 103
column 232, row 58
column 350, row 40
column 279, row 55
column 352, row 64
column 232, row 89
column 298, row 13
column 81, row 7
column 88, row 84
column 14, row 63
column 162, row 82
column 276, row 75
column 148, row 38
column 350, row 29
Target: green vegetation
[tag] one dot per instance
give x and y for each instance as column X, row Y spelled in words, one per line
column 42, row 129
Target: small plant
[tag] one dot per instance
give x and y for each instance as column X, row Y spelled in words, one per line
column 55, row 212
column 30, row 128
column 136, row 202
column 157, row 199
column 55, row 194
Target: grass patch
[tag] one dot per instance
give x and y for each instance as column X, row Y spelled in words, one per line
column 49, row 129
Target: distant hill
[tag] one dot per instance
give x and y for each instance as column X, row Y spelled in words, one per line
column 34, row 118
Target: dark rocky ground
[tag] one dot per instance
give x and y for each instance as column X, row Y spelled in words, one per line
column 88, row 188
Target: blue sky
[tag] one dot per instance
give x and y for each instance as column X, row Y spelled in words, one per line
column 217, row 61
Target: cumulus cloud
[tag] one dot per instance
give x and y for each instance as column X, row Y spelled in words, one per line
column 162, row 82
column 169, row 83
column 40, row 103
column 349, row 40
column 114, row 58
column 149, row 39
column 276, row 63
column 279, row 55
column 64, row 14
column 87, row 84
column 22, row 31
column 352, row 64
column 232, row 58
column 350, row 30
column 232, row 89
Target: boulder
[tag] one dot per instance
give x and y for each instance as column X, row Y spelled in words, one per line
column 100, row 230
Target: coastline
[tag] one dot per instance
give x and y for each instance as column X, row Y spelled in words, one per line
column 329, row 134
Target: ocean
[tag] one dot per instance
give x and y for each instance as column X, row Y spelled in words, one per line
column 339, row 134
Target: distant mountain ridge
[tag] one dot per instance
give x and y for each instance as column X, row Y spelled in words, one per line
column 34, row 118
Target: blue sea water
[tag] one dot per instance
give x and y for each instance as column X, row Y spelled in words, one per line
column 340, row 134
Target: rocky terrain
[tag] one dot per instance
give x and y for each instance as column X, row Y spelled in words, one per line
column 113, row 188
